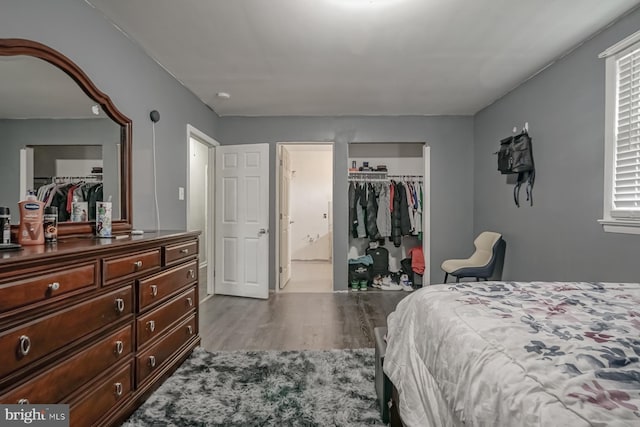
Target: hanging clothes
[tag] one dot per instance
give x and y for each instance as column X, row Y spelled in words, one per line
column 353, row 216
column 361, row 203
column 396, row 229
column 383, row 219
column 62, row 195
column 372, row 213
column 385, row 210
column 405, row 221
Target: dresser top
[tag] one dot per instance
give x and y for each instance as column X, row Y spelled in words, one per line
column 91, row 244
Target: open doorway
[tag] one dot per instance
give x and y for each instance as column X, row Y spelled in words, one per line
column 305, row 223
column 200, row 203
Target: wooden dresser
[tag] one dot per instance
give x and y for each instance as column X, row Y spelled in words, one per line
column 97, row 324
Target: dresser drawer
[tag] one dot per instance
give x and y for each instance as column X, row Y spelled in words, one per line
column 22, row 345
column 130, row 266
column 47, row 286
column 178, row 252
column 155, row 288
column 156, row 322
column 152, row 359
column 102, row 397
column 68, row 375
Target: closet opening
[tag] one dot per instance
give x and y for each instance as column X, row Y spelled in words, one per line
column 304, row 203
column 389, row 216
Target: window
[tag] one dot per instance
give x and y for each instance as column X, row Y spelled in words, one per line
column 622, row 137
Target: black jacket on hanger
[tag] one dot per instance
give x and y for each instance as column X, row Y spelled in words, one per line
column 396, row 232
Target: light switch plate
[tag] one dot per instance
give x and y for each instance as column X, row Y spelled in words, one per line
column 180, row 193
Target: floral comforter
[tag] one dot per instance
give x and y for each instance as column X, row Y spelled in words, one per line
column 517, row 354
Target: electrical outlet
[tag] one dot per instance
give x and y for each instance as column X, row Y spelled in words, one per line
column 180, row 193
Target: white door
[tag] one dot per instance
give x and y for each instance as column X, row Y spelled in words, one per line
column 242, row 220
column 285, row 217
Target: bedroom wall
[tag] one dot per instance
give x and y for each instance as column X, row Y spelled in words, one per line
column 559, row 237
column 451, row 171
column 135, row 83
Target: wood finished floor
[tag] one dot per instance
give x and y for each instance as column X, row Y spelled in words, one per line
column 295, row 321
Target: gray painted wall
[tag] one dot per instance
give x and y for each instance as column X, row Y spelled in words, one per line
column 17, row 134
column 135, row 83
column 558, row 238
column 451, row 172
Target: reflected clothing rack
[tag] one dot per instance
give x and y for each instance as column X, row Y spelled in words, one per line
column 63, row 191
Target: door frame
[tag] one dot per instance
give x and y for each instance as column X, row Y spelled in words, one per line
column 193, row 132
column 277, row 213
column 426, row 214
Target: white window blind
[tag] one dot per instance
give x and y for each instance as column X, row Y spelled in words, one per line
column 626, row 179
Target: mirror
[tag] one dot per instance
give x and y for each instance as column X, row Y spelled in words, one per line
column 61, row 137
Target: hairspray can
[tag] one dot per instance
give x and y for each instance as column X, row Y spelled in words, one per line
column 5, row 225
column 50, row 224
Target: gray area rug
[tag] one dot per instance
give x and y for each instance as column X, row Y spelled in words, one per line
column 266, row 388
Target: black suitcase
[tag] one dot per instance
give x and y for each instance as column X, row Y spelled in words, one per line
column 380, row 261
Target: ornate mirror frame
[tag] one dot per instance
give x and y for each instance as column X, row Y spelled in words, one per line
column 14, row 47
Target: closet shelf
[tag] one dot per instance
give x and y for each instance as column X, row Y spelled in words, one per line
column 368, row 176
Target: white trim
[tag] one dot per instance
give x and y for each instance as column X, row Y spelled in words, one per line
column 212, row 144
column 620, row 226
column 615, row 221
column 426, row 215
column 621, row 45
column 609, row 134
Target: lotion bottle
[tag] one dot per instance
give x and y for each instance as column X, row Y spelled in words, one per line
column 31, row 230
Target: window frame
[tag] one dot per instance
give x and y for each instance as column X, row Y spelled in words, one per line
column 615, row 221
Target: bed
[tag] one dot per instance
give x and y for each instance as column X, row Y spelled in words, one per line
column 517, row 354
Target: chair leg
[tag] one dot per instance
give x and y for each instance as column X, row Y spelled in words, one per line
column 446, row 276
column 477, row 279
column 457, row 279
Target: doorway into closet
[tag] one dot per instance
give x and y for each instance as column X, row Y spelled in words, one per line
column 391, row 164
column 304, row 212
column 200, row 202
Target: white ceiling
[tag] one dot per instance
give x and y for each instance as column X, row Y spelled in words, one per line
column 357, row 57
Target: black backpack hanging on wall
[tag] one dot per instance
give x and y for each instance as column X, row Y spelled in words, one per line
column 516, row 156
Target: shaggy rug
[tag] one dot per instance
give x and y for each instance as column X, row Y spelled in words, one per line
column 266, row 388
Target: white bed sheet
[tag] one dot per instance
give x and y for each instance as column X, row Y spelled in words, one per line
column 464, row 354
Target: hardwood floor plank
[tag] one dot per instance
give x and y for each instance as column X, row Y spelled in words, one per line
column 295, row 321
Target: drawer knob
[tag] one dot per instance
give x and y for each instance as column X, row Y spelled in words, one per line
column 137, row 264
column 152, row 361
column 119, row 305
column 154, row 290
column 23, row 402
column 24, row 345
column 54, row 286
column 119, row 347
column 151, row 324
column 118, row 387
column 190, row 329
column 190, row 301
column 192, row 273
column 184, row 251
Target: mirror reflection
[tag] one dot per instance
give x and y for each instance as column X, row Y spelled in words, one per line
column 55, row 141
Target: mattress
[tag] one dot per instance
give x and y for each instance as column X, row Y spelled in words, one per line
column 517, row 354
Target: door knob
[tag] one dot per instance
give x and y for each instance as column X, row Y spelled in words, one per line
column 262, row 231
